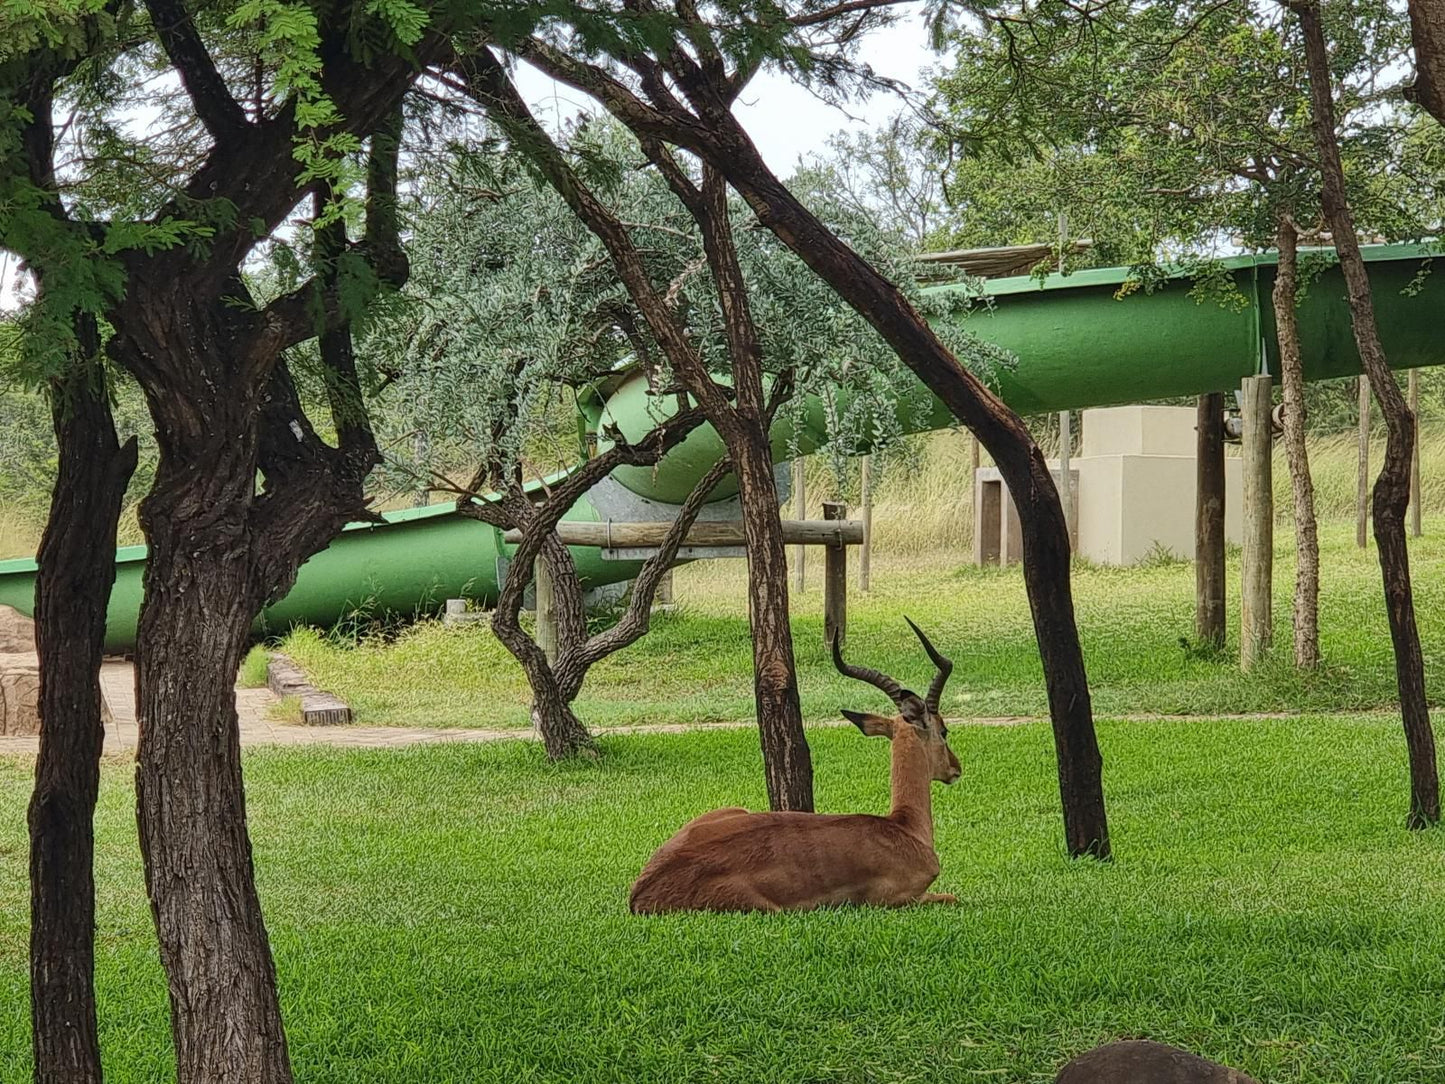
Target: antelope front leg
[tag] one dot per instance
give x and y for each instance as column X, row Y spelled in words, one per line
column 937, row 897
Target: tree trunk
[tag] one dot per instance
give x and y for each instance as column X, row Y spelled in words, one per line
column 72, row 591
column 1209, row 605
column 563, row 734
column 1019, row 459
column 194, row 625
column 1427, row 33
column 1392, row 488
column 1292, row 382
column 787, row 761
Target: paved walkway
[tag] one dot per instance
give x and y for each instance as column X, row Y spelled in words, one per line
column 257, row 728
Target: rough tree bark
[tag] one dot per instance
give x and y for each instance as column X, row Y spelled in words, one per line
column 225, row 411
column 1427, row 33
column 740, row 415
column 1292, row 383
column 72, row 591
column 1392, row 487
column 701, row 121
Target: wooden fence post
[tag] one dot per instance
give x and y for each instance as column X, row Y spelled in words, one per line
column 1256, row 613
column 800, row 506
column 973, row 487
column 865, row 558
column 1362, row 483
column 1066, row 481
column 546, row 608
column 1209, row 604
column 835, row 580
column 1415, row 510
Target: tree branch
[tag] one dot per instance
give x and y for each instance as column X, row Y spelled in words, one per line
column 218, row 110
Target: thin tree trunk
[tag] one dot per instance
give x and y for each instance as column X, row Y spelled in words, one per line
column 787, row 761
column 1292, row 382
column 1209, row 604
column 72, row 591
column 1392, row 488
column 1019, row 460
column 225, row 1015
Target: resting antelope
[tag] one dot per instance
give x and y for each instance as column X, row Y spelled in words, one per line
column 733, row 860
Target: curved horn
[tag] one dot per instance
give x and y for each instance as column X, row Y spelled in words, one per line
column 895, row 692
column 942, row 662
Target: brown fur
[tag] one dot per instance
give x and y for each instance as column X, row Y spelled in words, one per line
column 1139, row 1062
column 733, row 860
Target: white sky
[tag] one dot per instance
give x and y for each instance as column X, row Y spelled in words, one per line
column 785, row 121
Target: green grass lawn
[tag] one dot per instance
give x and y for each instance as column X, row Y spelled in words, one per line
column 458, row 914
column 696, row 665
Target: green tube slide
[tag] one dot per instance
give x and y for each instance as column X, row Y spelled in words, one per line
column 1080, row 341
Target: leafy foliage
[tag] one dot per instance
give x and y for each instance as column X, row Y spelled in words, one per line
column 511, row 299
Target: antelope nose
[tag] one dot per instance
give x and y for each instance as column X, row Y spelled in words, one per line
column 954, row 776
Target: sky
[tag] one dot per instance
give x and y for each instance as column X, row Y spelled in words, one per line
column 785, row 120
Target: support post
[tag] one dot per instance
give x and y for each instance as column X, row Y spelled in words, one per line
column 1209, row 594
column 1066, row 480
column 977, row 495
column 1258, row 560
column 1362, row 483
column 800, row 511
column 1415, row 510
column 546, row 608
column 835, row 580
column 865, row 558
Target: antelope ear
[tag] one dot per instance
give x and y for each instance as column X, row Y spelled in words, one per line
column 914, row 711
column 872, row 726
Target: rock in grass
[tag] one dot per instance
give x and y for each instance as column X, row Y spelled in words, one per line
column 1140, row 1062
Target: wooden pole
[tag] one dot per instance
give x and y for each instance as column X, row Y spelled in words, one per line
column 546, row 608
column 973, row 484
column 800, row 510
column 1209, row 594
column 1066, row 481
column 1415, row 510
column 1362, row 483
column 865, row 557
column 835, row 580
column 1256, row 611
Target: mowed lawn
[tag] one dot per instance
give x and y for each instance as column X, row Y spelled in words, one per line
column 458, row 914
column 1136, row 625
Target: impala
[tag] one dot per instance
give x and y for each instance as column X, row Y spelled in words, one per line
column 733, row 860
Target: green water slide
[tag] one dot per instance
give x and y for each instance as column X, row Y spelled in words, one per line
column 1080, row 341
